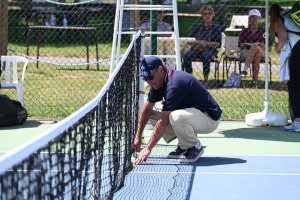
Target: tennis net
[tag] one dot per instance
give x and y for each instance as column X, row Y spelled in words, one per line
column 86, row 155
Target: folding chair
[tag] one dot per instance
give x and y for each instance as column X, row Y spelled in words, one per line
column 238, row 22
column 231, row 53
column 214, row 60
column 15, row 83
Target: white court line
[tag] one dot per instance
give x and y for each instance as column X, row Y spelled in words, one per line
column 251, row 155
column 220, row 173
column 245, row 155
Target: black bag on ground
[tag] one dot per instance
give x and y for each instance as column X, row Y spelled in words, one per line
column 11, row 112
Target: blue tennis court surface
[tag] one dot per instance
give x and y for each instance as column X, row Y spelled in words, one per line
column 216, row 177
column 239, row 163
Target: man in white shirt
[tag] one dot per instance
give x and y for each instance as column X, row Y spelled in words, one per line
column 161, row 26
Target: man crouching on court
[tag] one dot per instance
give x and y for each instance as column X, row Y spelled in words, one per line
column 188, row 108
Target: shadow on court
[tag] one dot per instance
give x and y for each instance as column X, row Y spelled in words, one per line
column 205, row 161
column 13, row 136
column 30, row 124
column 262, row 133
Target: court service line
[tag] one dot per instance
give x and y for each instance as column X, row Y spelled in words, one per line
column 205, row 155
column 243, row 155
column 221, row 173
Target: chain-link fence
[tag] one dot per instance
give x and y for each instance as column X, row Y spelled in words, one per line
column 69, row 42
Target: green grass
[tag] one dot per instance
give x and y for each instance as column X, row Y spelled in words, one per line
column 53, row 91
column 242, row 101
column 68, row 51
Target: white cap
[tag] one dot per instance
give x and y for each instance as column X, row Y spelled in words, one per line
column 254, row 12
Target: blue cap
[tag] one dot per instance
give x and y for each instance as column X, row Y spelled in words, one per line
column 149, row 64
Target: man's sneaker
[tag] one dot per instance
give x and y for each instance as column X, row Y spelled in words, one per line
column 191, row 154
column 294, row 127
column 254, row 84
column 244, row 73
column 289, row 128
column 177, row 153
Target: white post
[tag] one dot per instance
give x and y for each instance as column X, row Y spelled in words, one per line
column 265, row 118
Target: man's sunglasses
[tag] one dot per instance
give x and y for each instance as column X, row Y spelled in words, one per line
column 151, row 77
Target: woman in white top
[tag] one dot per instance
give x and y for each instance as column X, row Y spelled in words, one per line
column 285, row 29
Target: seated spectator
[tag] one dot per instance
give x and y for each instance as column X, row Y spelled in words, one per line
column 252, row 44
column 161, row 26
column 50, row 20
column 208, row 38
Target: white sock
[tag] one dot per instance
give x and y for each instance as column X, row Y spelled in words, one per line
column 198, row 145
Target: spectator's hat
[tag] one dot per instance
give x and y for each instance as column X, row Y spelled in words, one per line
column 149, row 64
column 254, row 12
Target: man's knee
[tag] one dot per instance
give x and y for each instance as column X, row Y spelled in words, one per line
column 174, row 117
column 177, row 116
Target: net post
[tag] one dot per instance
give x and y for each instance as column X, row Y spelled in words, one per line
column 141, row 82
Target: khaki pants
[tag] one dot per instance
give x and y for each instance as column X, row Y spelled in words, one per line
column 184, row 125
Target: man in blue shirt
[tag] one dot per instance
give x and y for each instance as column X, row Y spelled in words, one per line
column 188, row 109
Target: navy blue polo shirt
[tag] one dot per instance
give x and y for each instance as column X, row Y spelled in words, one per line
column 182, row 90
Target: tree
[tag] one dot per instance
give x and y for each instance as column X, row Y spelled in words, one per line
column 134, row 15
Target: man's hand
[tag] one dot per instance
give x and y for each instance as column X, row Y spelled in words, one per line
column 261, row 45
column 143, row 157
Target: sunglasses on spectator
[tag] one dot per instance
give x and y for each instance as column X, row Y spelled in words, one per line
column 151, row 77
column 207, row 13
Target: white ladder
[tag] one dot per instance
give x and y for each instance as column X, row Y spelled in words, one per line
column 118, row 32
